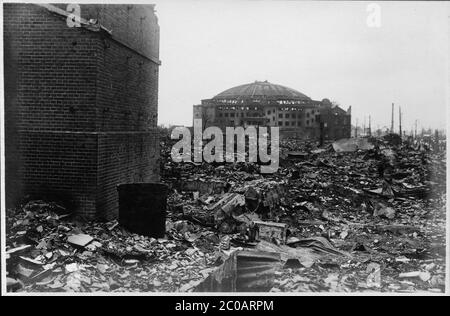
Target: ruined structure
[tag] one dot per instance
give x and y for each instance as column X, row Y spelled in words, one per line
column 265, row 104
column 81, row 91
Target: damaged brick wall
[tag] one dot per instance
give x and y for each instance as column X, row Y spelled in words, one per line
column 80, row 105
column 124, row 158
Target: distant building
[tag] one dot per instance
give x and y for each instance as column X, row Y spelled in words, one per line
column 80, row 102
column 266, row 104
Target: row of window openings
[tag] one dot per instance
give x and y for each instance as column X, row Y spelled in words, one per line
column 287, row 115
column 237, row 114
column 242, row 108
column 248, row 123
column 281, row 123
column 259, row 101
column 246, row 108
column 291, row 115
column 287, row 109
column 273, row 117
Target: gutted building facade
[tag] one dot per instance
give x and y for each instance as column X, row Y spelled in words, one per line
column 265, row 104
column 81, row 92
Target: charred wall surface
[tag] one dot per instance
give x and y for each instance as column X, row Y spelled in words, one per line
column 80, row 103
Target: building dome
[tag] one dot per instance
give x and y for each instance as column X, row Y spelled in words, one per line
column 261, row 90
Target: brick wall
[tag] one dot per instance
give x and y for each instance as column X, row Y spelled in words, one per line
column 124, row 158
column 60, row 166
column 80, row 106
column 54, row 67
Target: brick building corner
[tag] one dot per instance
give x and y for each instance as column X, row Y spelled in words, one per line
column 80, row 103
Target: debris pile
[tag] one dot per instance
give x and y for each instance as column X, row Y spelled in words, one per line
column 355, row 215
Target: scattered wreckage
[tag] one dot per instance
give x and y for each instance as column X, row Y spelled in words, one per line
column 350, row 216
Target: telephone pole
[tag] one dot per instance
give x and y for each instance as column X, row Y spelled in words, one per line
column 364, row 126
column 400, row 120
column 415, row 130
column 370, row 126
column 392, row 119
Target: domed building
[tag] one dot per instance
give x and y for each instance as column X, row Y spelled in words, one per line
column 262, row 103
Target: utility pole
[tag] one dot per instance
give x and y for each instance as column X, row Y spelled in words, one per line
column 400, row 121
column 415, row 130
column 356, row 129
column 370, row 126
column 392, row 119
column 364, row 126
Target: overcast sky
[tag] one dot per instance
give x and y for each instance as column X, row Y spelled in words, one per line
column 322, row 49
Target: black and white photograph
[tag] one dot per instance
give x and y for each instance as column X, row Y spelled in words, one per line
column 203, row 148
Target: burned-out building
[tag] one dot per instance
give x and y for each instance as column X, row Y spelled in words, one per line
column 81, row 92
column 262, row 103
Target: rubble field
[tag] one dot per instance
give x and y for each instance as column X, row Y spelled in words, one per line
column 348, row 217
